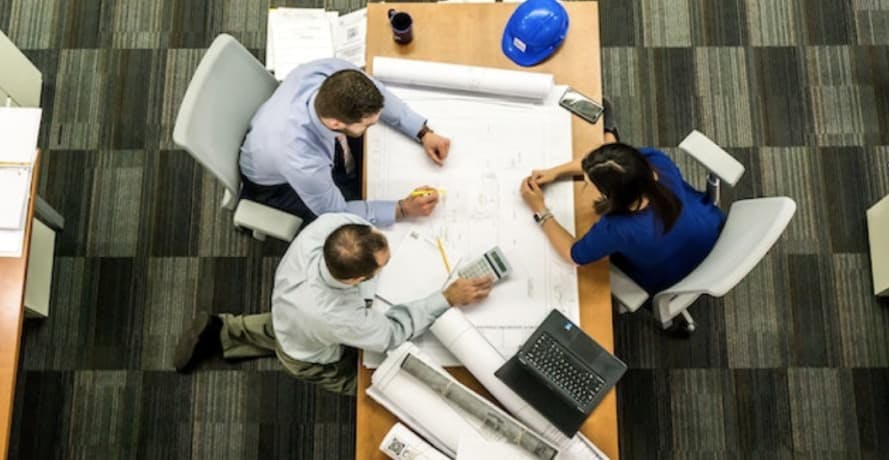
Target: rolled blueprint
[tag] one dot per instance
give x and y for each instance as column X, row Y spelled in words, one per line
column 465, row 342
column 400, row 443
column 496, row 420
column 483, row 80
column 435, row 405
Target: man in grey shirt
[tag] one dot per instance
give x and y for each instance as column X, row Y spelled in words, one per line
column 303, row 152
column 320, row 308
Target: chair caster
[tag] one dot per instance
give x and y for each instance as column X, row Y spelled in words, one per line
column 681, row 327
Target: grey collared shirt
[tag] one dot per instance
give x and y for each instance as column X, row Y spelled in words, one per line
column 314, row 314
column 287, row 143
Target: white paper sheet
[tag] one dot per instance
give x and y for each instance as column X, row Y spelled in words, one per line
column 454, row 77
column 400, row 443
column 416, row 269
column 15, row 185
column 474, row 447
column 19, row 127
column 350, row 37
column 11, row 242
column 297, row 35
column 494, row 145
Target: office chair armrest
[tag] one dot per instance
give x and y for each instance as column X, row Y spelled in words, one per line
column 265, row 220
column 630, row 295
column 713, row 157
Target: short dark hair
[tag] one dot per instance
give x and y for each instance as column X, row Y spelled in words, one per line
column 348, row 96
column 624, row 177
column 349, row 251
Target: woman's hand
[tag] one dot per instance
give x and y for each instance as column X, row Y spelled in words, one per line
column 544, row 176
column 532, row 194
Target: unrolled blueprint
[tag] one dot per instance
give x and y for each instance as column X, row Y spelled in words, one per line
column 495, row 142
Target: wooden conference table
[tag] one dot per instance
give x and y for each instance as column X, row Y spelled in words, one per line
column 470, row 33
column 12, row 312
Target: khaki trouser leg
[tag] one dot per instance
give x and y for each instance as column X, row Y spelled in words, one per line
column 247, row 336
column 338, row 377
column 251, row 336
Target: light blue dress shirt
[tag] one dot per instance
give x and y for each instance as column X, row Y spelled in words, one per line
column 287, row 143
column 314, row 314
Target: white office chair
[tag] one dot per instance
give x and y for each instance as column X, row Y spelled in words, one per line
column 752, row 227
column 228, row 87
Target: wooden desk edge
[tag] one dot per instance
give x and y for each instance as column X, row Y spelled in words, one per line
column 12, row 337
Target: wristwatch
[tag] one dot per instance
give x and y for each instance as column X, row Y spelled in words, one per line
column 424, row 131
column 540, row 217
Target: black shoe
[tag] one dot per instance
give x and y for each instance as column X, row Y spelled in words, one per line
column 610, row 122
column 198, row 342
column 680, row 328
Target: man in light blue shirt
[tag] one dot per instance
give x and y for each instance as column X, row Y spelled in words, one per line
column 320, row 308
column 303, row 151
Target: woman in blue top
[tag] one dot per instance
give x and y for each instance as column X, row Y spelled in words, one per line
column 653, row 224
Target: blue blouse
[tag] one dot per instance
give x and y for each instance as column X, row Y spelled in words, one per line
column 636, row 243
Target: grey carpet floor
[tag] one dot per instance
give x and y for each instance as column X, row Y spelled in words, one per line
column 794, row 362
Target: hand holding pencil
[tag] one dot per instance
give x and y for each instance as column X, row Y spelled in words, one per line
column 419, row 202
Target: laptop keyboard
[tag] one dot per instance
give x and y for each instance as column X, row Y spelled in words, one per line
column 574, row 380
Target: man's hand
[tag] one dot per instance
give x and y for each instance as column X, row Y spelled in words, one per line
column 436, row 147
column 532, row 194
column 418, row 203
column 465, row 291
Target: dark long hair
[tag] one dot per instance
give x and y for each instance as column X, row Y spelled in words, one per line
column 624, row 177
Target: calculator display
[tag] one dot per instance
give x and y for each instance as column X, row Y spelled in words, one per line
column 497, row 261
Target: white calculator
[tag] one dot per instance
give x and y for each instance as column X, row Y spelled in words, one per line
column 492, row 264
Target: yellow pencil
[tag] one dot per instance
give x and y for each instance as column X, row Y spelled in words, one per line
column 444, row 256
column 425, row 192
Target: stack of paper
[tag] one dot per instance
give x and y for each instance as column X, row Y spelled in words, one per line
column 300, row 35
column 18, row 146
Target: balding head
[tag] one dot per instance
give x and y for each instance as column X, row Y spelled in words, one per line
column 355, row 251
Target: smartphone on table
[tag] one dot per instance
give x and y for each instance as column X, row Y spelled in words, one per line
column 581, row 105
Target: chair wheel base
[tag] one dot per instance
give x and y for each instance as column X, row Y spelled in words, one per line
column 681, row 327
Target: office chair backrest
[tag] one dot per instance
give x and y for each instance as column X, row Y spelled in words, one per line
column 227, row 89
column 751, row 229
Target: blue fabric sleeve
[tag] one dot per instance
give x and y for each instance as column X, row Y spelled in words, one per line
column 599, row 242
column 399, row 115
column 315, row 186
column 661, row 162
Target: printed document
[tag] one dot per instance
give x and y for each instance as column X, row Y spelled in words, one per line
column 299, row 35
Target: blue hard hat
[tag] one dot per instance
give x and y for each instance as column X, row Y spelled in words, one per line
column 534, row 31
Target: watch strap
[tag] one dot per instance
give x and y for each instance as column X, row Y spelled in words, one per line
column 424, row 131
column 541, row 217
